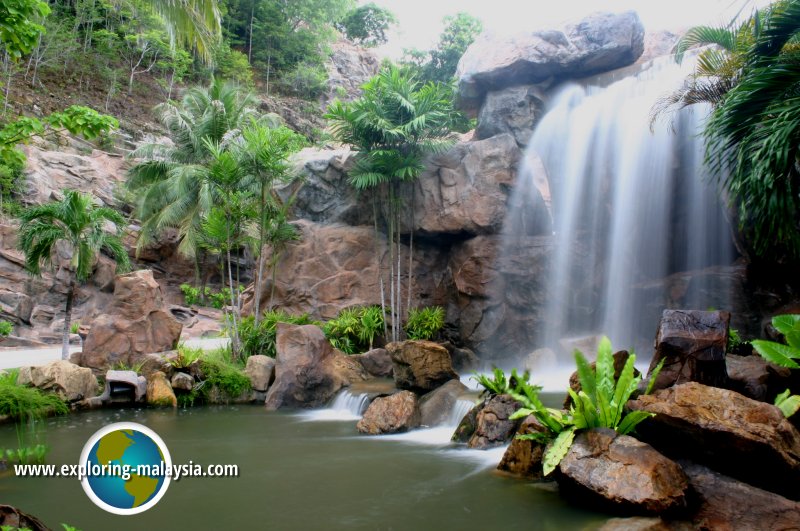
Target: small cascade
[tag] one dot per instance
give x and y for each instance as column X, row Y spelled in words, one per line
column 346, row 406
column 460, row 409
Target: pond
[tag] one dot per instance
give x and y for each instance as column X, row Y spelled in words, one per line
column 296, row 472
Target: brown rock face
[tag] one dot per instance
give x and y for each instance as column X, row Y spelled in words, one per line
column 306, row 375
column 736, row 435
column 492, row 426
column 65, row 379
column 137, row 323
column 513, row 110
column 420, row 365
column 524, row 457
column 437, row 405
column 260, row 369
column 159, row 391
column 391, row 414
column 622, row 472
column 727, row 504
column 692, row 345
column 376, row 362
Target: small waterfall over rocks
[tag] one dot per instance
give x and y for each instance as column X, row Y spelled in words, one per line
column 631, row 206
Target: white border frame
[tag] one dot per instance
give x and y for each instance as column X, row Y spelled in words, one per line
column 87, row 448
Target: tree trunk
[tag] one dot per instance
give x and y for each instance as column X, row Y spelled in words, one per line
column 67, row 319
column 260, row 274
column 411, row 248
column 379, row 257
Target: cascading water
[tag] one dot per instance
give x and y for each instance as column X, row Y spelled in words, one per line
column 630, row 207
column 345, row 406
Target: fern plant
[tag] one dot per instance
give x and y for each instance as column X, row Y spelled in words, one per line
column 778, row 353
column 500, row 385
column 355, row 329
column 425, row 323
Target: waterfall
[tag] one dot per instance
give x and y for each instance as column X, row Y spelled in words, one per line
column 630, row 207
column 345, row 406
column 459, row 411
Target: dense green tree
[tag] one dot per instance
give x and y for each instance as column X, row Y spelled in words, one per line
column 75, row 221
column 440, row 63
column 19, row 27
column 395, row 124
column 367, row 24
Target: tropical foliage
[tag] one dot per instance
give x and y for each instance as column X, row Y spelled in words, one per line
column 499, row 384
column 259, row 337
column 354, row 330
column 395, row 124
column 424, row 323
column 6, row 328
column 781, row 354
column 367, row 24
column 788, row 403
column 81, row 226
column 439, row 64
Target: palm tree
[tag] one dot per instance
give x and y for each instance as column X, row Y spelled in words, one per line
column 169, row 191
column 194, row 23
column 394, row 126
column 82, row 226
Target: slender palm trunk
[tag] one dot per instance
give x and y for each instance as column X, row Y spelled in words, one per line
column 379, row 256
column 260, row 274
column 411, row 247
column 67, row 319
column 235, row 321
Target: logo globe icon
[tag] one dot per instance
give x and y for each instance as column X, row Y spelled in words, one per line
column 126, row 468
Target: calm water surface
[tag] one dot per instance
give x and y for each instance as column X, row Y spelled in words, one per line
column 295, row 474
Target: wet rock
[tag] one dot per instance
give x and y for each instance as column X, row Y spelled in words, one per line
column 182, row 382
column 492, row 425
column 466, row 428
column 137, row 323
column 127, row 383
column 436, row 406
column 376, row 362
column 618, row 471
column 523, row 458
column 599, row 42
column 692, row 345
column 748, row 375
column 464, row 359
column 305, row 372
column 158, row 361
column 513, row 110
column 420, row 365
column 159, row 391
column 261, row 370
column 741, row 437
column 725, row 503
column 68, row 381
column 391, row 414
column 16, row 519
column 349, row 369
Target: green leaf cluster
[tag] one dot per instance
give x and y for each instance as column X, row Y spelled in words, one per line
column 26, row 455
column 367, row 24
column 439, row 64
column 5, row 328
column 424, row 323
column 355, row 329
column 784, row 355
column 788, row 403
column 19, row 29
column 260, row 338
column 498, row 384
column 27, row 403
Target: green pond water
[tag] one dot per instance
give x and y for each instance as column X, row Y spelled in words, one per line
column 296, row 473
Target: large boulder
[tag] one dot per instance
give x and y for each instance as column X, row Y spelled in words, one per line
column 741, row 437
column 599, row 42
column 377, row 362
column 391, row 414
column 492, row 425
column 692, row 345
column 124, row 386
column 63, row 378
column 437, row 406
column 512, row 110
column 261, row 370
column 618, row 471
column 523, row 457
column 420, row 366
column 725, row 503
column 138, row 322
column 159, row 391
column 306, row 375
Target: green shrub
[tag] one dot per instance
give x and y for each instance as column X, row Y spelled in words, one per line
column 74, row 327
column 6, row 328
column 26, row 403
column 778, row 353
column 191, row 294
column 306, row 80
column 355, row 329
column 261, row 340
column 500, row 385
column 425, row 323
column 225, row 374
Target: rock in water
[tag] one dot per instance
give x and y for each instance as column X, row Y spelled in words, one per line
column 391, row 414
column 692, row 345
column 741, row 437
column 729, row 504
column 182, row 382
column 437, row 405
column 618, row 471
column 420, row 366
column 16, row 519
column 306, row 374
column 261, row 370
column 137, row 323
column 492, row 425
column 159, row 391
column 524, row 457
column 376, row 362
column 65, row 379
